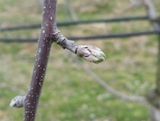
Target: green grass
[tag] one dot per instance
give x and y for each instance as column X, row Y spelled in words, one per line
column 70, row 94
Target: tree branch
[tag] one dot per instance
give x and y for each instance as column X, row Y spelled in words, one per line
column 70, row 10
column 50, row 34
column 153, row 16
column 153, row 96
column 136, row 2
column 109, row 88
column 42, row 55
column 30, row 101
column 88, row 52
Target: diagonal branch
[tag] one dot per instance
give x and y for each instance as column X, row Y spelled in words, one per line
column 109, row 88
column 136, row 2
column 88, row 52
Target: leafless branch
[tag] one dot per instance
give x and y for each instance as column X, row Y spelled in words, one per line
column 109, row 88
column 153, row 16
column 136, row 2
column 50, row 34
column 153, row 97
column 70, row 10
column 30, row 101
column 88, row 52
column 134, row 5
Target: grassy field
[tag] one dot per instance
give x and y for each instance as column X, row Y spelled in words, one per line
column 69, row 94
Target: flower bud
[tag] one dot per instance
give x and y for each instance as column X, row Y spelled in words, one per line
column 91, row 53
column 17, row 102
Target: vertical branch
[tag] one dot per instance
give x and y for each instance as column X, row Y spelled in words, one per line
column 153, row 18
column 153, row 96
column 70, row 10
column 50, row 34
column 158, row 68
column 42, row 55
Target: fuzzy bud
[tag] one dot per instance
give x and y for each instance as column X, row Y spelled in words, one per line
column 90, row 53
column 17, row 102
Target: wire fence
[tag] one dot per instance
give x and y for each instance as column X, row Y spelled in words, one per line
column 105, row 36
column 35, row 26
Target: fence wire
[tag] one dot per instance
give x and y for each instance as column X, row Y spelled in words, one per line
column 59, row 24
column 105, row 36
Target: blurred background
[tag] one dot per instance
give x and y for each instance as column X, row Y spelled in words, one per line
column 69, row 93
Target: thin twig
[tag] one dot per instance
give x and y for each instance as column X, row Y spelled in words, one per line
column 107, row 87
column 136, row 2
column 70, row 10
column 153, row 16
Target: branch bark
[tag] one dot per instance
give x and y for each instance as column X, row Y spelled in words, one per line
column 153, row 96
column 153, row 17
column 44, row 44
column 50, row 34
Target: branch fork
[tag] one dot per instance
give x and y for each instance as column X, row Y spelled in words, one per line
column 87, row 52
column 49, row 34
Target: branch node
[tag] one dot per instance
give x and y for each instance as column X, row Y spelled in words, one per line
column 59, row 38
column 90, row 53
column 17, row 102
